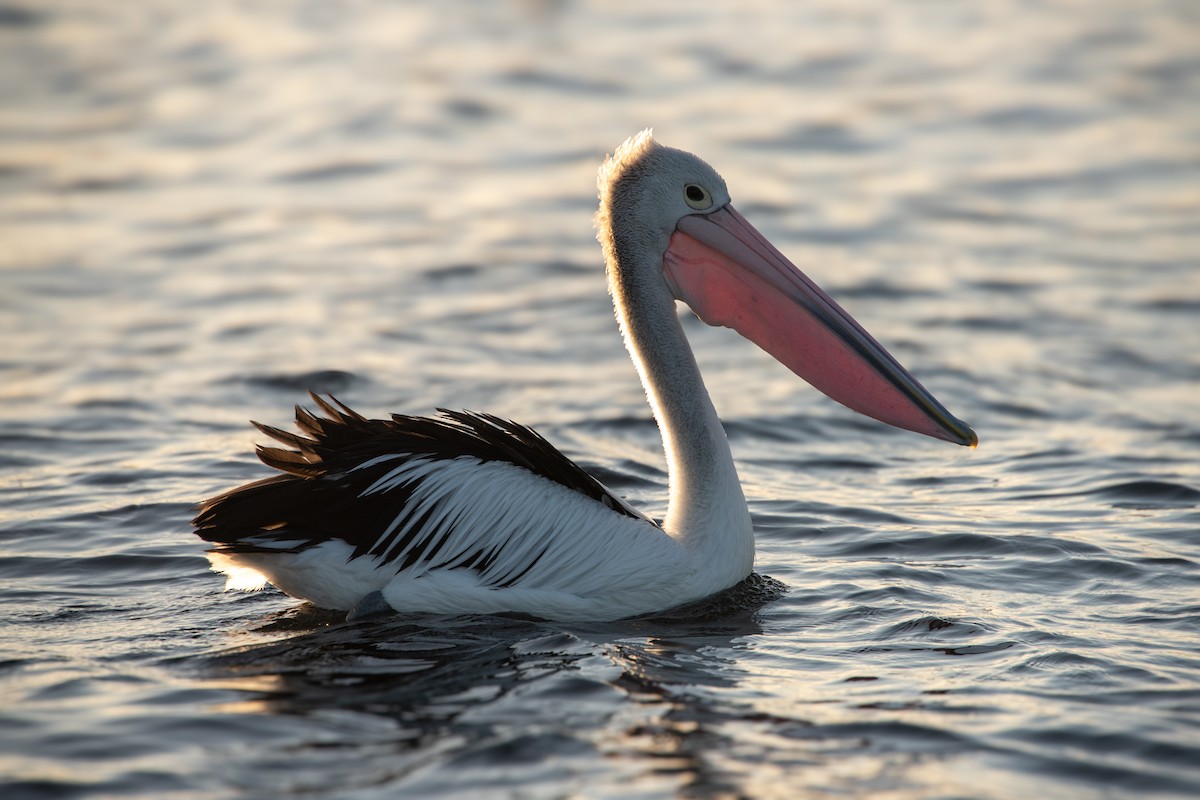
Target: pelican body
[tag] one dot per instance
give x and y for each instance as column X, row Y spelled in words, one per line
column 470, row 513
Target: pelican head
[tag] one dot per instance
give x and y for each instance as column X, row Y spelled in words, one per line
column 667, row 224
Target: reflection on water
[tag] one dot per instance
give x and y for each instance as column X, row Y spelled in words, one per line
column 472, row 685
column 207, row 209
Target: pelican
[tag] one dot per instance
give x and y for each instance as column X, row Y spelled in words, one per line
column 467, row 513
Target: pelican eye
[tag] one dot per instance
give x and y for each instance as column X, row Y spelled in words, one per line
column 697, row 196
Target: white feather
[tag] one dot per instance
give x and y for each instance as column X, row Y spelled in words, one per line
column 575, row 556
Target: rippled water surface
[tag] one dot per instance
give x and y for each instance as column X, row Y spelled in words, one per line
column 208, row 208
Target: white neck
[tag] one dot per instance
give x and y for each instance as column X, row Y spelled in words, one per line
column 707, row 511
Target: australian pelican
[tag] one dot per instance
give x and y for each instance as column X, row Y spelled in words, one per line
column 470, row 513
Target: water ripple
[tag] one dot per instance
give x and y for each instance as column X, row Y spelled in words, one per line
column 211, row 209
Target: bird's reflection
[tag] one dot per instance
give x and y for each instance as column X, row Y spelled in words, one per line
column 481, row 679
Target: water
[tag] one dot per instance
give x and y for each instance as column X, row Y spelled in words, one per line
column 206, row 209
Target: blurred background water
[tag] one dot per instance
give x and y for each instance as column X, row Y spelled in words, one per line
column 208, row 208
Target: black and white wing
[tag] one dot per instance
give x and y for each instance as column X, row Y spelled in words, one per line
column 467, row 493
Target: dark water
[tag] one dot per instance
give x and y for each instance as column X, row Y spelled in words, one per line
column 206, row 209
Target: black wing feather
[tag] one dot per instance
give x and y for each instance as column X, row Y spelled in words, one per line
column 321, row 496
